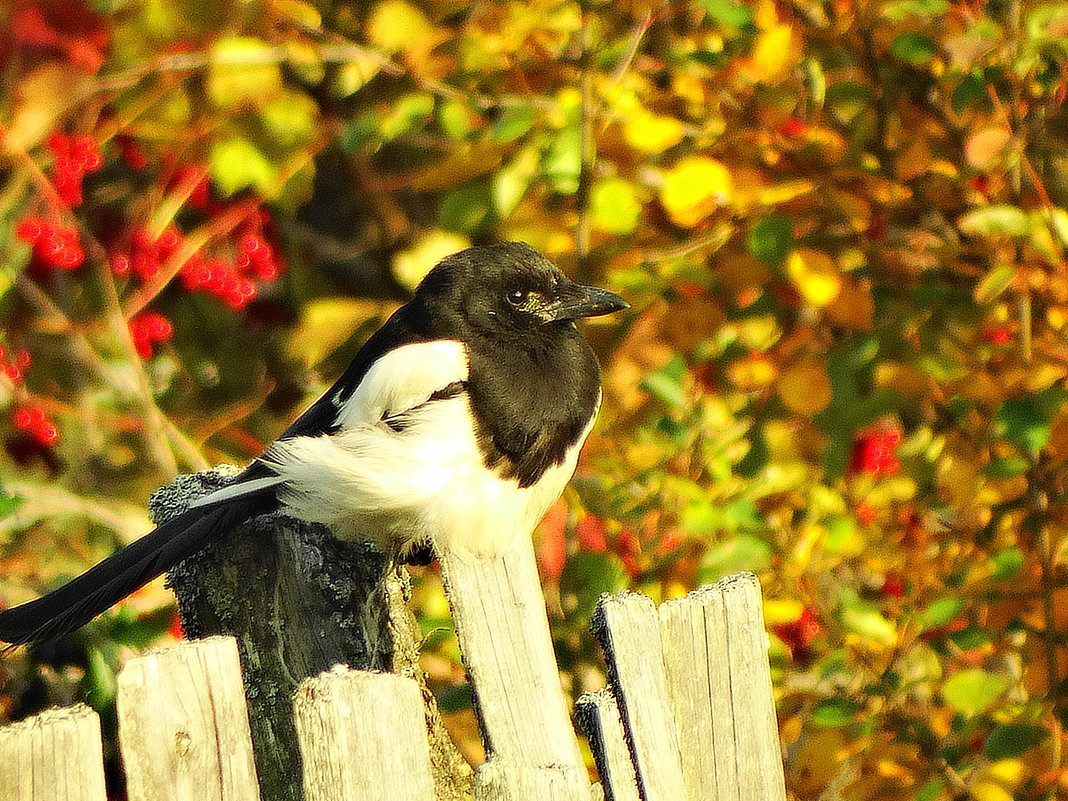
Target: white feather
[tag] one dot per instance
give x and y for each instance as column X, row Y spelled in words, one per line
column 402, row 379
column 426, row 481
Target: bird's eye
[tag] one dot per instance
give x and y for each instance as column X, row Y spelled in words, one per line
column 517, row 297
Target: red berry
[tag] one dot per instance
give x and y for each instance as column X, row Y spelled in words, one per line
column 147, row 330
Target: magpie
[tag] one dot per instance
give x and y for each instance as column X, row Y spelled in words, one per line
column 457, row 425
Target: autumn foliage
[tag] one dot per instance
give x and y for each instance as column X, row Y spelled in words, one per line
column 842, row 228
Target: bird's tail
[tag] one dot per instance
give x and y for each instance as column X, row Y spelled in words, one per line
column 77, row 602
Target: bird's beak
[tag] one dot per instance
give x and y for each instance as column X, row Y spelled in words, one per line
column 575, row 300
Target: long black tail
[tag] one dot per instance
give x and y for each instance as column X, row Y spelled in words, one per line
column 80, row 600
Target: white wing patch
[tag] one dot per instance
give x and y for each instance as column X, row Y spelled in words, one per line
column 402, row 379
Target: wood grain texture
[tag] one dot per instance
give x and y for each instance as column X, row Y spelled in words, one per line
column 499, row 780
column 598, row 716
column 503, row 629
column 362, row 738
column 716, row 659
column 628, row 628
column 53, row 756
column 183, row 725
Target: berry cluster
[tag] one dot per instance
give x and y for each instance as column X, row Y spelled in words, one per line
column 799, row 634
column 148, row 329
column 35, row 423
column 234, row 280
column 55, row 246
column 14, row 365
column 74, row 156
column 873, row 453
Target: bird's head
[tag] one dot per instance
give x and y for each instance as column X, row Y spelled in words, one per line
column 510, row 288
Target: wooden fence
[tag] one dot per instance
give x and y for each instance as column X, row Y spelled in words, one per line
column 687, row 715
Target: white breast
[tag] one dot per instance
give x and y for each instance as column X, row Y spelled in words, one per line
column 427, row 481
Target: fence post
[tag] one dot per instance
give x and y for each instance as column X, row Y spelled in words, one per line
column 598, row 715
column 501, row 622
column 628, row 628
column 362, row 737
column 53, row 756
column 183, row 725
column 716, row 655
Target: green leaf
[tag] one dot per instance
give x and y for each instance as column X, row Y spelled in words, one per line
column 1023, row 423
column 1013, row 739
column 665, row 384
column 406, row 113
column 9, row 503
column 290, row 119
column 973, row 691
column 729, row 14
column 904, row 9
column 585, row 577
column 997, row 279
column 1008, row 563
column 467, row 208
column 833, row 713
column 916, row 49
column 237, row 164
column 771, row 238
column 513, row 122
column 866, row 621
column 996, row 220
column 740, row 553
column 940, row 612
column 971, row 91
column 242, row 70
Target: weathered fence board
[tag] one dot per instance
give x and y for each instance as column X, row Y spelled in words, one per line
column 501, row 623
column 183, row 725
column 500, row 780
column 362, row 737
column 598, row 715
column 716, row 655
column 628, row 628
column 54, row 756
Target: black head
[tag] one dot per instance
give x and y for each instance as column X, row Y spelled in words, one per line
column 511, row 288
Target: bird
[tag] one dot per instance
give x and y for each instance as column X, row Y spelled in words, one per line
column 455, row 427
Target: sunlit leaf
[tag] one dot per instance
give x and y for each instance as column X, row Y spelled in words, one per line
column 1024, row 423
column 987, row 148
column 665, row 384
column 730, row 14
column 940, row 612
column 973, row 690
column 814, row 275
column 739, row 553
column 615, row 207
column 652, row 133
column 238, row 164
column 398, row 25
column 775, row 54
column 996, row 280
column 695, row 188
column 834, row 712
column 805, row 388
column 997, row 220
column 513, row 121
column 242, row 70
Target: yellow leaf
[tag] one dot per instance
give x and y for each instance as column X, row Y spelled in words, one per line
column 776, row 52
column 755, row 372
column 785, row 191
column 652, row 133
column 241, row 71
column 782, row 610
column 614, row 206
column 914, row 161
column 411, row 265
column 396, row 25
column 986, row 149
column 814, row 275
column 695, row 188
column 805, row 388
column 854, row 307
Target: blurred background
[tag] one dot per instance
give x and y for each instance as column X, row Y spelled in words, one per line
column 841, row 225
